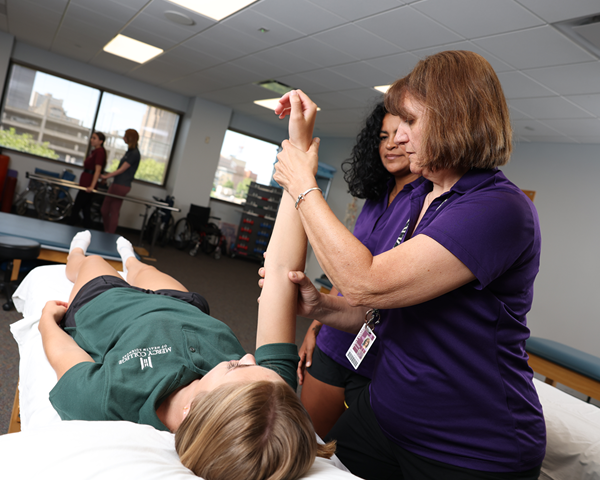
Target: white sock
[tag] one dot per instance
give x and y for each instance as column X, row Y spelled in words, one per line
column 125, row 249
column 81, row 240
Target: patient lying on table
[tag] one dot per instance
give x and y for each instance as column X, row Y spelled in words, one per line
column 147, row 351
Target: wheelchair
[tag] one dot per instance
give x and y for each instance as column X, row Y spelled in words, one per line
column 51, row 202
column 165, row 221
column 196, row 229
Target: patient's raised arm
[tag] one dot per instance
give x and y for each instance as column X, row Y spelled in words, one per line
column 287, row 248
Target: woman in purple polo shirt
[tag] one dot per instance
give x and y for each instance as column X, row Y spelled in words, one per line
column 452, row 394
column 378, row 170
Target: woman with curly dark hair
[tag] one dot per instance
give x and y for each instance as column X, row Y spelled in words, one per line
column 377, row 170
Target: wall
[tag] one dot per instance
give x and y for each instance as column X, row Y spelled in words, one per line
column 565, row 179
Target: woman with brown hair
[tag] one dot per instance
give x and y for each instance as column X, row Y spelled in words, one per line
column 145, row 350
column 92, row 168
column 123, row 176
column 452, row 394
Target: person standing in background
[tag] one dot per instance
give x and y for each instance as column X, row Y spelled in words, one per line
column 123, row 176
column 93, row 166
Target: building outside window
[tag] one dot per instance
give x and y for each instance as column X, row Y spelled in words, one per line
column 244, row 159
column 52, row 117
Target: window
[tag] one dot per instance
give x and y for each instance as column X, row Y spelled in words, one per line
column 244, row 159
column 54, row 118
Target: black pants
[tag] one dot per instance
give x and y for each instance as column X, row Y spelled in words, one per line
column 82, row 203
column 367, row 453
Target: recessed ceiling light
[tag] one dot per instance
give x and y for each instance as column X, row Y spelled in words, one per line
column 382, row 88
column 271, row 103
column 178, row 17
column 215, row 9
column 275, row 86
column 131, row 49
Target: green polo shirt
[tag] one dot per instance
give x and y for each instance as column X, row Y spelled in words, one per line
column 146, row 347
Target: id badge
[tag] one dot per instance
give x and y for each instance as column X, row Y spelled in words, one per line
column 361, row 345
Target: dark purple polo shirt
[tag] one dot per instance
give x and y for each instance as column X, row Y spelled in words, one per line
column 451, row 381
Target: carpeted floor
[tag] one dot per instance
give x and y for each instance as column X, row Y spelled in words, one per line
column 229, row 285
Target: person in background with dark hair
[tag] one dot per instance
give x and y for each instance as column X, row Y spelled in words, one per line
column 379, row 171
column 123, row 176
column 452, row 394
column 92, row 169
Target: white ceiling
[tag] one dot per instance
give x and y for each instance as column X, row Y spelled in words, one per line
column 336, row 51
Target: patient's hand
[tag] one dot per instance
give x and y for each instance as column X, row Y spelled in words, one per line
column 54, row 310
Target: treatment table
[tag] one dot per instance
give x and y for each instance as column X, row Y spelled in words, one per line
column 55, row 238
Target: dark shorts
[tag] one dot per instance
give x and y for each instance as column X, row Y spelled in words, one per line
column 327, row 370
column 365, row 450
column 104, row 283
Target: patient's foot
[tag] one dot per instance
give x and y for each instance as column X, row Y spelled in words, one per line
column 126, row 251
column 81, row 240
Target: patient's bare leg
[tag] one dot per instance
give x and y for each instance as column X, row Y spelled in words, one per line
column 144, row 276
column 81, row 269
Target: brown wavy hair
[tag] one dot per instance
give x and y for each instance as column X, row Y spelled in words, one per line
column 132, row 137
column 249, row 431
column 467, row 121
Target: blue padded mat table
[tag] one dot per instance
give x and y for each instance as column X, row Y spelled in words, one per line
column 55, row 238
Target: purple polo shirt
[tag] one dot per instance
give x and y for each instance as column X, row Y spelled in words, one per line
column 377, row 227
column 452, row 381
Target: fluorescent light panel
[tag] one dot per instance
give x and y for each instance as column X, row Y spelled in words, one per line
column 131, row 49
column 382, row 88
column 215, row 9
column 271, row 103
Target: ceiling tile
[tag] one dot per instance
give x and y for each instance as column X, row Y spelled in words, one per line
column 532, row 127
column 576, row 127
column 240, row 94
column 548, row 107
column 536, row 47
column 157, row 8
column 317, row 52
column 497, row 65
column 364, row 74
column 516, row 114
column 356, row 42
column 591, row 103
column 517, row 85
column 251, row 22
column 397, row 66
column 286, row 60
column 408, row 29
column 109, row 9
column 558, row 10
column 69, row 48
column 160, row 27
column 242, row 42
column 492, row 17
column 569, row 79
column 303, row 81
column 224, row 52
column 57, row 5
column 332, row 81
column 592, row 139
column 264, row 69
column 300, row 15
column 193, row 58
column 548, row 139
column 229, row 74
column 354, row 9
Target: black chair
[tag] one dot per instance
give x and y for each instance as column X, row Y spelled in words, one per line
column 13, row 250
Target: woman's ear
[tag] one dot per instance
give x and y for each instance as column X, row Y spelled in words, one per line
column 186, row 410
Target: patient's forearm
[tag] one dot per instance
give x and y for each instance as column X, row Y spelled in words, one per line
column 286, row 252
column 62, row 351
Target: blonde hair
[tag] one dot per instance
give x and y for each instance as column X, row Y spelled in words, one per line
column 254, row 431
column 467, row 118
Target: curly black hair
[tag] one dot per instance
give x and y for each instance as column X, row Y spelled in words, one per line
column 363, row 171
